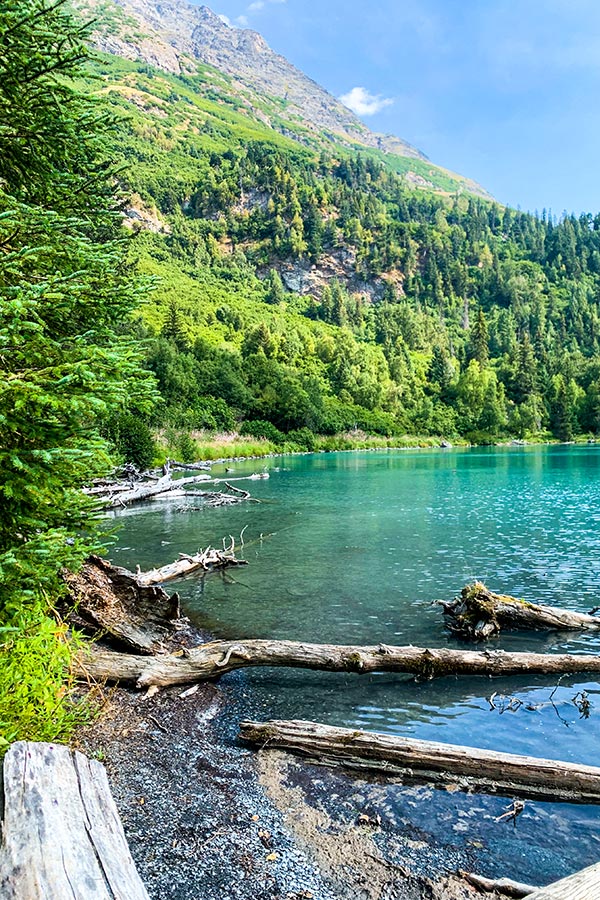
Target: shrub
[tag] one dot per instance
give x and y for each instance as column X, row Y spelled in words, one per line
column 261, row 429
column 132, row 439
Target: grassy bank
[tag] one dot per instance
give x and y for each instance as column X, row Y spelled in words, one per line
column 199, row 445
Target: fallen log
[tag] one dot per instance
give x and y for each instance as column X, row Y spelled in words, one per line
column 207, row 560
column 116, row 601
column 218, row 657
column 61, row 835
column 189, row 467
column 479, row 614
column 504, row 886
column 410, row 761
column 148, row 490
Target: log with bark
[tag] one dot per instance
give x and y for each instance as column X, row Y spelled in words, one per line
column 479, row 614
column 61, row 835
column 132, row 608
column 109, row 598
column 410, row 761
column 218, row 657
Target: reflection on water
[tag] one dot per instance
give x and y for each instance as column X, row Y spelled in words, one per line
column 354, row 548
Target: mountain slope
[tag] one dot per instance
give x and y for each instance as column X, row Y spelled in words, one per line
column 306, row 287
column 175, row 37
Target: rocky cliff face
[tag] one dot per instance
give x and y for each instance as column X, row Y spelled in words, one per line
column 173, row 35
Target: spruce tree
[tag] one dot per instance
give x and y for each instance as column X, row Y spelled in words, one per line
column 65, row 367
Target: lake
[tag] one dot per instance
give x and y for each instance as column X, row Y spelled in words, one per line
column 356, row 548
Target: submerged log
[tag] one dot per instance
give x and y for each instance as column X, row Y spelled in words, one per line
column 217, row 657
column 205, row 560
column 479, row 614
column 409, row 760
column 61, row 835
column 114, row 600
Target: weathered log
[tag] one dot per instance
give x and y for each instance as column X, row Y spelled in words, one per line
column 148, row 490
column 206, row 560
column 190, row 467
column 217, row 657
column 61, row 835
column 479, row 614
column 504, row 886
column 112, row 599
column 583, row 885
column 410, row 760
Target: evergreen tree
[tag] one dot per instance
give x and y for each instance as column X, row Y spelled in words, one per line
column 65, row 292
column 479, row 341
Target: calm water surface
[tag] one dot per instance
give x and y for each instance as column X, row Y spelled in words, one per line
column 354, row 548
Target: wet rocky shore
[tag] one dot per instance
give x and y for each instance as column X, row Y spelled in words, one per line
column 208, row 818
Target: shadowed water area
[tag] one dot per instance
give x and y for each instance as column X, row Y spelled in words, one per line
column 353, row 548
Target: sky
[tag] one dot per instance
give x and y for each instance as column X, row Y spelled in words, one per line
column 506, row 92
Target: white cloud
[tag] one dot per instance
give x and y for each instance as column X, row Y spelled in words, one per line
column 242, row 21
column 225, row 19
column 363, row 103
column 256, row 6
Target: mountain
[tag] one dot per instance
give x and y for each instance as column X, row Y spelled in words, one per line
column 303, row 284
column 176, row 37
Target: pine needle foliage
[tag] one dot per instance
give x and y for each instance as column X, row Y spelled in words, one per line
column 65, row 364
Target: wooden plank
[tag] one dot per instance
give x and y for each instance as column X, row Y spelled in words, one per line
column 583, row 885
column 62, row 838
column 411, row 760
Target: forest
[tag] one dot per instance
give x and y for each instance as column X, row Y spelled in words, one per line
column 303, row 292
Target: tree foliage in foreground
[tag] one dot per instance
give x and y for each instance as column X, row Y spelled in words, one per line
column 65, row 366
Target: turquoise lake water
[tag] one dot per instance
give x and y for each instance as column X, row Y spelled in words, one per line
column 355, row 548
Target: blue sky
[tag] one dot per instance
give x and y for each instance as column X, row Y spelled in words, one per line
column 504, row 91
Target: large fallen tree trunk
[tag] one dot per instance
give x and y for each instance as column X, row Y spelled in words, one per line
column 205, row 560
column 61, row 835
column 410, row 760
column 114, row 600
column 217, row 657
column 479, row 614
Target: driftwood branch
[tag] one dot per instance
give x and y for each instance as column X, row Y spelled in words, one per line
column 189, row 467
column 504, row 886
column 217, row 657
column 479, row 614
column 205, row 560
column 62, row 835
column 120, row 496
column 410, row 760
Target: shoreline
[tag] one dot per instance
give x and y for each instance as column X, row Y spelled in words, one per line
column 405, row 447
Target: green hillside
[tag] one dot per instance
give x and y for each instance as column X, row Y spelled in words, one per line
column 406, row 310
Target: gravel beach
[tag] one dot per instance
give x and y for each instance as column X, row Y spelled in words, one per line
column 208, row 819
